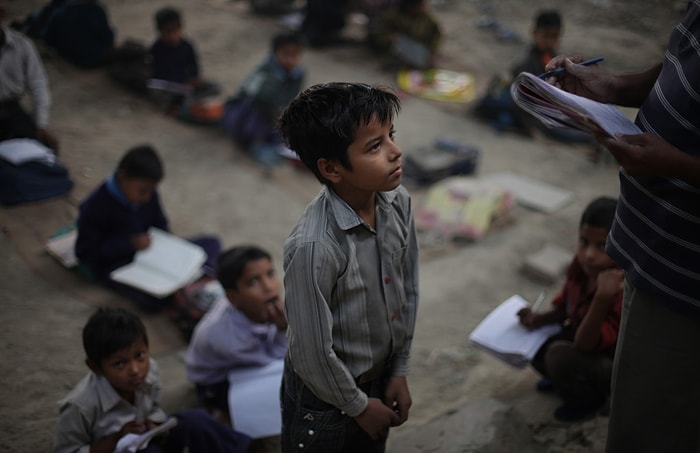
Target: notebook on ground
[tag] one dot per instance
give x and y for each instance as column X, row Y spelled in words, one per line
column 501, row 334
column 167, row 265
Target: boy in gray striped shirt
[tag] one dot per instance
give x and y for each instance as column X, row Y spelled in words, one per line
column 351, row 274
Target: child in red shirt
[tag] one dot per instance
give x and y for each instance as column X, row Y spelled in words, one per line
column 577, row 362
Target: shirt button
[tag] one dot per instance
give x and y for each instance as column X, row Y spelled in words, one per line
column 342, row 412
column 387, row 279
column 311, row 432
column 301, row 445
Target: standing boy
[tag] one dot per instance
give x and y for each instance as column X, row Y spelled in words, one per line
column 351, row 274
column 245, row 328
column 121, row 395
column 577, row 362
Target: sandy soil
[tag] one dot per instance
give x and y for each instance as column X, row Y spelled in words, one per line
column 212, row 187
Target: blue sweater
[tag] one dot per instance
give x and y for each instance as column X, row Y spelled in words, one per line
column 105, row 227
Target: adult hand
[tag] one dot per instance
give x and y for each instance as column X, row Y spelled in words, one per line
column 376, row 419
column 646, row 155
column 398, row 398
column 592, row 82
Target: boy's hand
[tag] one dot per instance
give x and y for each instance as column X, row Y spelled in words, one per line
column 398, row 398
column 133, row 427
column 376, row 419
column 277, row 316
column 529, row 319
column 140, row 241
column 609, row 282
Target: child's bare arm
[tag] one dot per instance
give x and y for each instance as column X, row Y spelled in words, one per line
column 377, row 418
column 533, row 320
column 610, row 282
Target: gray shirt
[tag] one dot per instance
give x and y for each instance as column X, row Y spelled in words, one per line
column 21, row 72
column 351, row 294
column 94, row 410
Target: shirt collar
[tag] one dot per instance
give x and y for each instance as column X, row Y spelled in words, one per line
column 108, row 396
column 346, row 217
column 114, row 189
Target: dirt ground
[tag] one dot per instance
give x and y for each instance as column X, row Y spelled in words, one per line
column 212, row 187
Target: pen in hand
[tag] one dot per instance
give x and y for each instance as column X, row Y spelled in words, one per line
column 538, row 302
column 556, row 72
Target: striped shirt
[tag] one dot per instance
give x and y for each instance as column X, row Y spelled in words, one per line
column 656, row 233
column 351, row 294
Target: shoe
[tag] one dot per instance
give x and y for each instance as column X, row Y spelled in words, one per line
column 545, row 385
column 574, row 413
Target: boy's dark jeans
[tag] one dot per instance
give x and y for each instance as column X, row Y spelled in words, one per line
column 312, row 425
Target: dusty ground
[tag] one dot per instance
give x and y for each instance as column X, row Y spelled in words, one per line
column 211, row 187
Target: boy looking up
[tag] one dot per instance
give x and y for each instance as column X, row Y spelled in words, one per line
column 545, row 40
column 351, row 274
column 245, row 328
column 121, row 395
column 577, row 362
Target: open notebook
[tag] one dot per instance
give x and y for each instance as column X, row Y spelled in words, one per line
column 558, row 108
column 501, row 334
column 167, row 265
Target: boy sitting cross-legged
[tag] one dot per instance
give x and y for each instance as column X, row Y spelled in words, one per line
column 351, row 275
column 121, row 395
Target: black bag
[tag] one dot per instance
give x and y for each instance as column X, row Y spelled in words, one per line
column 190, row 303
column 32, row 181
column 447, row 159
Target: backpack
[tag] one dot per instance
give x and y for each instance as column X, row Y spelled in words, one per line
column 189, row 304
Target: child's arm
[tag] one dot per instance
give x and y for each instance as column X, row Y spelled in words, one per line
column 609, row 288
column 532, row 320
column 311, row 275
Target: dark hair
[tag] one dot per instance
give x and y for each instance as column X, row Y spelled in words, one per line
column 548, row 18
column 322, row 120
column 110, row 330
column 232, row 263
column 141, row 162
column 406, row 6
column 599, row 213
column 284, row 39
column 166, row 17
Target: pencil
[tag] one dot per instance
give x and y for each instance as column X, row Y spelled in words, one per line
column 538, row 302
column 562, row 70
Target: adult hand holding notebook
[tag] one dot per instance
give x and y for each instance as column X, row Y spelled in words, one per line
column 558, row 108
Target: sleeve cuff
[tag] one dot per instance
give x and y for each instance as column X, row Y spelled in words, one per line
column 356, row 406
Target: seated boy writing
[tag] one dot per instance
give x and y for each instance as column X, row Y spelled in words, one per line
column 246, row 328
column 577, row 362
column 121, row 395
column 174, row 63
column 114, row 219
column 351, row 274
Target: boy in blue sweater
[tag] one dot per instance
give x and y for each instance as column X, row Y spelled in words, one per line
column 114, row 220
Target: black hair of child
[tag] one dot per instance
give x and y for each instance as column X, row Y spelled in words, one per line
column 406, row 6
column 547, row 19
column 168, row 17
column 141, row 162
column 321, row 121
column 110, row 330
column 599, row 213
column 232, row 263
column 285, row 39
